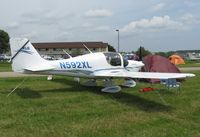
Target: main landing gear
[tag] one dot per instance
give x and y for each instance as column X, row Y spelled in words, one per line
column 109, row 85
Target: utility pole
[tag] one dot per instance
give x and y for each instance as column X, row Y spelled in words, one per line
column 118, row 39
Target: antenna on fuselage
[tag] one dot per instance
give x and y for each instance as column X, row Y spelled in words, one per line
column 87, row 48
column 67, row 53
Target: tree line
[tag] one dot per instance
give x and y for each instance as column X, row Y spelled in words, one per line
column 4, row 41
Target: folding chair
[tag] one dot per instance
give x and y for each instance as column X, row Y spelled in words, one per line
column 170, row 83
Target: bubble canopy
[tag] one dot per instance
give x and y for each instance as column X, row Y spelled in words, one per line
column 115, row 59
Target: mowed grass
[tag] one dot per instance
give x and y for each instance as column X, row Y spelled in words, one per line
column 62, row 107
column 5, row 66
column 190, row 64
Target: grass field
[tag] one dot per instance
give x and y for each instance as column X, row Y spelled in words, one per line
column 5, row 66
column 63, row 108
column 190, row 64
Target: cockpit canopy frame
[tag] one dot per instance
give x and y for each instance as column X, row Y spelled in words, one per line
column 115, row 59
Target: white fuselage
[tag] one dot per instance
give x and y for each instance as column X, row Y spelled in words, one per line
column 84, row 65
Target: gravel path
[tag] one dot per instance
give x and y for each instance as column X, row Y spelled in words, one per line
column 190, row 69
column 14, row 74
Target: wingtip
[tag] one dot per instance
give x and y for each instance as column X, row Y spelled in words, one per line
column 191, row 75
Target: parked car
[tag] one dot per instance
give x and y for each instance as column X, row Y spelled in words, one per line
column 1, row 57
column 4, row 57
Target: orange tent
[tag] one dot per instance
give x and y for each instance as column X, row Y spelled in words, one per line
column 176, row 59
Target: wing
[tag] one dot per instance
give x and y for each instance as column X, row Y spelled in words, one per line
column 146, row 75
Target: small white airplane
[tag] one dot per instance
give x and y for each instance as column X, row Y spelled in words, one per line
column 108, row 65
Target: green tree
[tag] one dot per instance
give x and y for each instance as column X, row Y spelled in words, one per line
column 76, row 52
column 164, row 54
column 4, row 41
column 111, row 48
column 144, row 52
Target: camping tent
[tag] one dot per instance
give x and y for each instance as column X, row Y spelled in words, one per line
column 176, row 59
column 157, row 63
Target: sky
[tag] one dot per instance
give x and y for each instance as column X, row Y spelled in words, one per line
column 157, row 25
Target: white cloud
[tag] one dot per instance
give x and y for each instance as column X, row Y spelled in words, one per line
column 87, row 25
column 63, row 36
column 155, row 23
column 30, row 35
column 158, row 6
column 13, row 25
column 101, row 28
column 98, row 13
column 189, row 3
column 189, row 20
column 44, row 17
column 91, row 27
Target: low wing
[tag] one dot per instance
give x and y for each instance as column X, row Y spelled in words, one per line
column 146, row 75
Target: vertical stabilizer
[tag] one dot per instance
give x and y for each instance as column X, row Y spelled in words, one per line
column 24, row 55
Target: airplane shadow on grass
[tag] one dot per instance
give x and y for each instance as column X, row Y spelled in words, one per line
column 28, row 93
column 121, row 97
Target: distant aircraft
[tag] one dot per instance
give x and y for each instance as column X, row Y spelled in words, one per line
column 108, row 65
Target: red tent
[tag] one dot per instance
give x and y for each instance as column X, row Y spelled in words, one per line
column 157, row 63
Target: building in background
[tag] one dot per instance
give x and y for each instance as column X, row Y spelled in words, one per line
column 55, row 49
column 193, row 56
column 189, row 54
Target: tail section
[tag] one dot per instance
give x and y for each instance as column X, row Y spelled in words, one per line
column 24, row 55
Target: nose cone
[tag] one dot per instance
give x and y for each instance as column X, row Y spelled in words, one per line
column 140, row 63
column 134, row 66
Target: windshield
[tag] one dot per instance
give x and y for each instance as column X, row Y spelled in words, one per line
column 125, row 62
column 113, row 59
